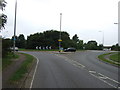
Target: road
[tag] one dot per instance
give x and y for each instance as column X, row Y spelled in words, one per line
column 81, row 69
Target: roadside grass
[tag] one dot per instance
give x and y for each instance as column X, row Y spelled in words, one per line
column 38, row 49
column 115, row 57
column 21, row 49
column 101, row 57
column 20, row 73
column 8, row 59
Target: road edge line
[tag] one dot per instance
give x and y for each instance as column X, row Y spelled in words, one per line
column 34, row 72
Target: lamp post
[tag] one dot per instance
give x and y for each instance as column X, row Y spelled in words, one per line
column 15, row 26
column 102, row 37
column 118, row 32
column 60, row 33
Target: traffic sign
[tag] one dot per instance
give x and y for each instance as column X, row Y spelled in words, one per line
column 60, row 40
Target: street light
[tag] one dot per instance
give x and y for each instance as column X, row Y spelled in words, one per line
column 60, row 32
column 15, row 26
column 118, row 33
column 102, row 37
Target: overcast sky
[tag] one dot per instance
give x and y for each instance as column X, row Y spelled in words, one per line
column 82, row 17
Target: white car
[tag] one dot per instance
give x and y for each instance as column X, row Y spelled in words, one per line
column 16, row 48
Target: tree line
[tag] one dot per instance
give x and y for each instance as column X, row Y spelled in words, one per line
column 46, row 39
column 50, row 38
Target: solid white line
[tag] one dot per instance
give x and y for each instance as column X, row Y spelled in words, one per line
column 34, row 72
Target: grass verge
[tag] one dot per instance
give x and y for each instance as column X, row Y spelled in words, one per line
column 20, row 73
column 102, row 57
column 38, row 50
column 8, row 59
column 115, row 57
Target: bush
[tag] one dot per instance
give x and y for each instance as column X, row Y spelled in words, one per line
column 6, row 43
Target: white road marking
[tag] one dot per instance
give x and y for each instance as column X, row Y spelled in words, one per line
column 77, row 63
column 110, row 78
column 34, row 72
column 71, row 61
column 103, row 80
column 101, row 77
column 92, row 71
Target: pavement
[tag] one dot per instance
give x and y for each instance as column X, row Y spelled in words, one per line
column 81, row 69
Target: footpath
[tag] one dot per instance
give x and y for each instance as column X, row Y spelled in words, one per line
column 11, row 69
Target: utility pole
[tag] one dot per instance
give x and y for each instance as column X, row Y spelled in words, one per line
column 60, row 32
column 15, row 26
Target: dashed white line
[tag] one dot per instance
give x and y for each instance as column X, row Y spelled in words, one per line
column 110, row 78
column 103, row 81
column 92, row 71
column 101, row 77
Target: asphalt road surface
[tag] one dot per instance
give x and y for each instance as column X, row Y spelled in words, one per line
column 81, row 69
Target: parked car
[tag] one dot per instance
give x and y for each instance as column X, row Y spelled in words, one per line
column 70, row 50
column 16, row 48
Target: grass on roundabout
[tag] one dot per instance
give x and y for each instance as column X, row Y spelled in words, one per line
column 114, row 58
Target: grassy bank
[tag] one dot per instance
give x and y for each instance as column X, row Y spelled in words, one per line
column 19, row 74
column 8, row 59
column 102, row 57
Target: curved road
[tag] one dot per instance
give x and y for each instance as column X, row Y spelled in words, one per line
column 73, row 70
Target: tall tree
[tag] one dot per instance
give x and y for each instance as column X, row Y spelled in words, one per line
column 16, row 41
column 47, row 38
column 2, row 4
column 21, row 41
column 3, row 17
column 6, row 43
column 116, row 47
column 80, row 44
column 91, row 45
column 75, row 38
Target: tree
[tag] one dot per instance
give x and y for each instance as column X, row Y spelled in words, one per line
column 91, row 45
column 21, row 41
column 16, row 41
column 48, row 38
column 80, row 44
column 75, row 38
column 116, row 47
column 100, row 47
column 6, row 43
column 3, row 17
column 2, row 4
column 3, row 20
